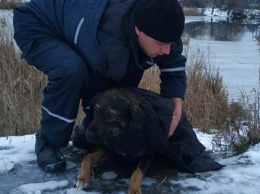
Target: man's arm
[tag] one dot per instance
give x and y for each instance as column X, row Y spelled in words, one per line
column 177, row 103
column 173, row 80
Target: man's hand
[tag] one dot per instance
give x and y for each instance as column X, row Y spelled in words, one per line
column 177, row 103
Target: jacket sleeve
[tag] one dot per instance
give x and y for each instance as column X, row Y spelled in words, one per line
column 173, row 75
column 41, row 46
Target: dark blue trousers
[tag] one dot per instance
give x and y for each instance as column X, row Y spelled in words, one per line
column 67, row 79
column 67, row 74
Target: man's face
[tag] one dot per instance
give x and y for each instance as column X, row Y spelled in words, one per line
column 150, row 46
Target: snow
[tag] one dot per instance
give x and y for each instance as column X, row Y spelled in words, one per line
column 75, row 191
column 39, row 187
column 6, row 165
column 218, row 16
column 147, row 181
column 217, row 12
column 241, row 174
column 109, row 175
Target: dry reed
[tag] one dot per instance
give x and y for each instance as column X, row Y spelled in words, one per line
column 10, row 4
column 151, row 79
column 20, row 88
column 206, row 101
column 20, row 94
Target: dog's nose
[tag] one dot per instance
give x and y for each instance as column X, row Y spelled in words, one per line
column 91, row 136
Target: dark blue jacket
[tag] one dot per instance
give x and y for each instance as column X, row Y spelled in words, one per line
column 102, row 33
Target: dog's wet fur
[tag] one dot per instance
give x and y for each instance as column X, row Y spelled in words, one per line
column 117, row 125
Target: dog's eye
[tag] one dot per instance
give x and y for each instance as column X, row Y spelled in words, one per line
column 111, row 115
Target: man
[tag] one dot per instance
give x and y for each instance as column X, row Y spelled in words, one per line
column 88, row 46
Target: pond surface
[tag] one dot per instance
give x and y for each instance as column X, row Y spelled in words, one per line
column 231, row 47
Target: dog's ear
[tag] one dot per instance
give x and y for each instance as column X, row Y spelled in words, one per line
column 137, row 116
column 92, row 105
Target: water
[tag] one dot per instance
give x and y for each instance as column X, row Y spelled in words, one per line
column 232, row 48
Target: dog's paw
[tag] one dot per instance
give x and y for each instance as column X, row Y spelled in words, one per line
column 82, row 183
column 134, row 189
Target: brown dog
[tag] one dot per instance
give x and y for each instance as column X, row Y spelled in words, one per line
column 117, row 124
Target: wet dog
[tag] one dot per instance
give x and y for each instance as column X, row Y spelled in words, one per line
column 116, row 124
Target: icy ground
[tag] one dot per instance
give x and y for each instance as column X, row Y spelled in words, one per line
column 19, row 173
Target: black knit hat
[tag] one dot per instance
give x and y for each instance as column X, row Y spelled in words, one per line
column 163, row 20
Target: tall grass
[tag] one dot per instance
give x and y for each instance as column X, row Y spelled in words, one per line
column 10, row 4
column 206, row 101
column 193, row 11
column 20, row 94
column 21, row 88
column 151, row 79
column 244, row 121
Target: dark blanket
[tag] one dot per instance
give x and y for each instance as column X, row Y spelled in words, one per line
column 183, row 147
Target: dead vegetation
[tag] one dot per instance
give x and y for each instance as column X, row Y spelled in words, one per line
column 10, row 4
column 21, row 87
column 193, row 11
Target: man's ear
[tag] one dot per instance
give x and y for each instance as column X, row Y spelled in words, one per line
column 137, row 116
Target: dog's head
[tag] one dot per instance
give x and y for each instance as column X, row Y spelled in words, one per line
column 111, row 113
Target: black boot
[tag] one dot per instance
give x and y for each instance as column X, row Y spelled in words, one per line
column 48, row 158
column 79, row 139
